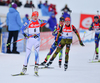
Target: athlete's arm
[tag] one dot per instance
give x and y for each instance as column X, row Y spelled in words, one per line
column 24, row 26
column 91, row 27
column 54, row 33
column 42, row 22
column 77, row 33
column 59, row 33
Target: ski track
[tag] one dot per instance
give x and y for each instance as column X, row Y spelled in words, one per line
column 79, row 70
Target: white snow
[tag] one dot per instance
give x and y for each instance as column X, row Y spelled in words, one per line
column 79, row 71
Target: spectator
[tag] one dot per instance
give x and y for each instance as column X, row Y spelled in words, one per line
column 44, row 10
column 31, row 4
column 52, row 22
column 39, row 5
column 10, row 5
column 13, row 0
column 0, row 24
column 8, row 2
column 46, row 3
column 66, row 9
column 65, row 14
column 14, row 24
column 3, row 3
column 27, row 4
column 26, row 18
column 0, row 21
column 19, row 4
column 52, row 8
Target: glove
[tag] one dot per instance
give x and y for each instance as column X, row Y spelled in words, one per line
column 54, row 33
column 56, row 43
column 25, row 35
column 35, row 36
column 81, row 43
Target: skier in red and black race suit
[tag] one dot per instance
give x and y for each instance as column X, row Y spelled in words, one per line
column 67, row 37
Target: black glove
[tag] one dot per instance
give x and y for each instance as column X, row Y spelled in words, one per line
column 25, row 35
column 56, row 43
column 70, row 11
column 35, row 36
column 81, row 43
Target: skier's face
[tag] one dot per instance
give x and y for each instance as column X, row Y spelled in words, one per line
column 35, row 18
column 67, row 22
column 96, row 20
column 61, row 22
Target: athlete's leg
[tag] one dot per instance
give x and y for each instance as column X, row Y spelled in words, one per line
column 29, row 45
column 60, row 57
column 96, row 45
column 68, row 44
column 53, row 47
column 36, row 48
column 60, row 46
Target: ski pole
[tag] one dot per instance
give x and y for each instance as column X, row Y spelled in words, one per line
column 19, row 40
column 93, row 55
column 23, row 39
column 89, row 34
column 84, row 37
column 98, row 12
column 46, row 37
column 78, row 40
column 92, row 35
column 46, row 41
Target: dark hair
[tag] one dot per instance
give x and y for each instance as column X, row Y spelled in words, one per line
column 62, row 19
column 96, row 17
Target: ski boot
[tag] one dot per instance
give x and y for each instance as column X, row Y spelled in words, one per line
column 24, row 70
column 97, row 57
column 36, row 70
column 43, row 63
column 66, row 66
column 8, row 50
column 48, row 64
column 14, row 51
column 59, row 63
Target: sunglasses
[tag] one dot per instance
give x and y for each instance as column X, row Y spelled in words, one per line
column 62, row 21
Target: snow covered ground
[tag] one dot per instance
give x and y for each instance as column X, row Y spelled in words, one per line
column 79, row 71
